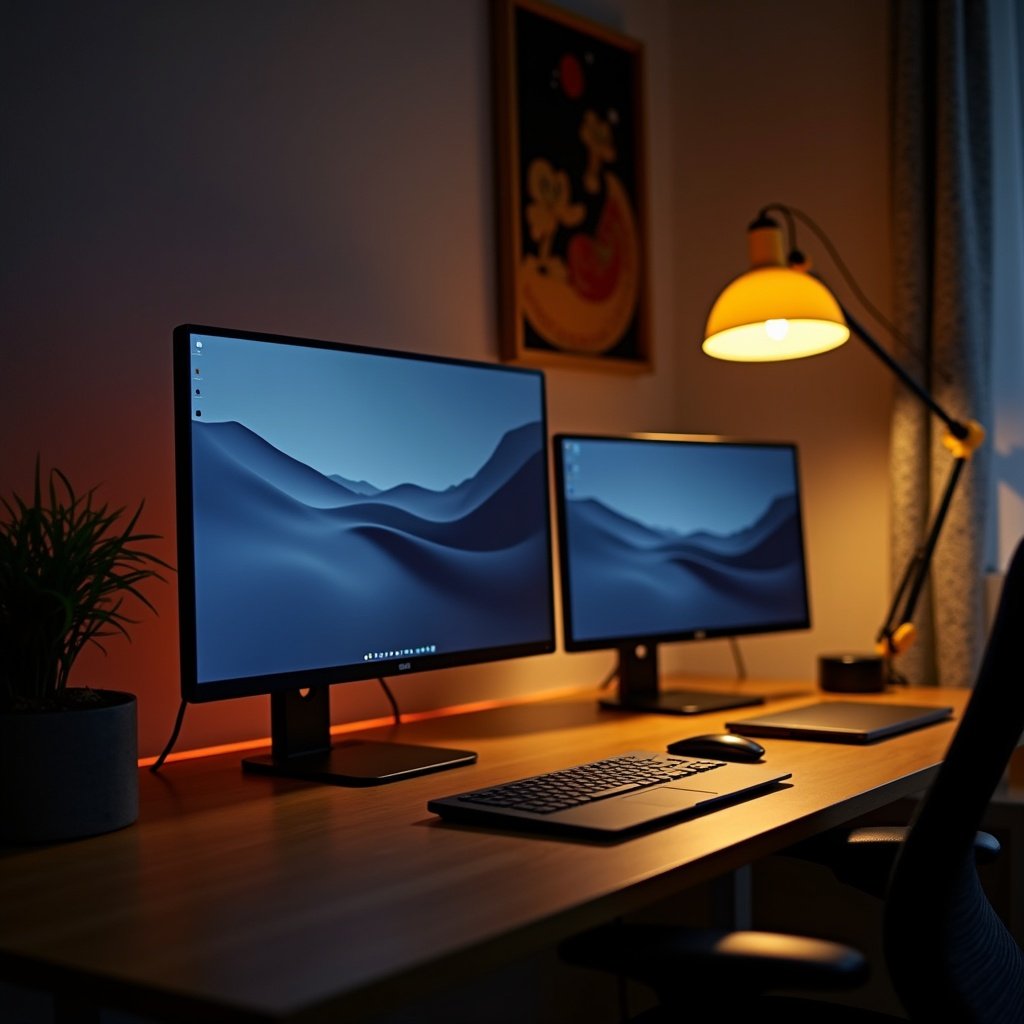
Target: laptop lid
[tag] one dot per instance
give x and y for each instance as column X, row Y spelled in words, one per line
column 841, row 721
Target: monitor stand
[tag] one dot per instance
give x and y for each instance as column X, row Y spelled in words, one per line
column 301, row 748
column 639, row 690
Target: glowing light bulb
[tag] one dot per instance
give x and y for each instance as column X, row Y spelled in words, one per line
column 776, row 329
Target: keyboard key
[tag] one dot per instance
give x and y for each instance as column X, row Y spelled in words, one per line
column 596, row 780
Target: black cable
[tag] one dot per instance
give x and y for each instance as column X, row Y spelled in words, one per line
column 737, row 657
column 792, row 214
column 156, row 765
column 391, row 698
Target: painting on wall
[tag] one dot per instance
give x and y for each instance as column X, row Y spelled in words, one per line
column 571, row 190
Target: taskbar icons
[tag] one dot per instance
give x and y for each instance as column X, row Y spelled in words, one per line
column 400, row 652
column 197, row 379
column 570, row 463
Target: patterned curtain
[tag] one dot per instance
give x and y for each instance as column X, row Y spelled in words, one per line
column 942, row 259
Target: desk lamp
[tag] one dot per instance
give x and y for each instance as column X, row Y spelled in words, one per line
column 779, row 310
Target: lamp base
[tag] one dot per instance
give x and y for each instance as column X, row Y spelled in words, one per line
column 853, row 673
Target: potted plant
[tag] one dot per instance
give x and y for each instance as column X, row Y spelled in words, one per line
column 68, row 755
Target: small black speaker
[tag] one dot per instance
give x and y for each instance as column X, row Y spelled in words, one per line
column 852, row 673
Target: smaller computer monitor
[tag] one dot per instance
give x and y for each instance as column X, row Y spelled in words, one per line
column 666, row 538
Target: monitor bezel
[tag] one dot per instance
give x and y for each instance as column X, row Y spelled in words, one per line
column 196, row 692
column 632, row 640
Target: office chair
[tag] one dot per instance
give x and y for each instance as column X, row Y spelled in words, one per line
column 949, row 956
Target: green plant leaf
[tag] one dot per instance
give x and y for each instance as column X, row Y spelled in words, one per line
column 68, row 563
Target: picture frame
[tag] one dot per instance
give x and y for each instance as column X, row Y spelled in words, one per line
column 570, row 154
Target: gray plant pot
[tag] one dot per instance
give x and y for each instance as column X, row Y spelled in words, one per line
column 71, row 773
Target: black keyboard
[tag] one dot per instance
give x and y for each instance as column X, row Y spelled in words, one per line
column 581, row 784
column 612, row 796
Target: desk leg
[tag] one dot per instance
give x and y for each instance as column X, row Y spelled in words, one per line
column 74, row 1010
column 731, row 899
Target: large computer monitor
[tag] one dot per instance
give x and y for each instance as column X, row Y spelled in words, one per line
column 350, row 513
column 667, row 538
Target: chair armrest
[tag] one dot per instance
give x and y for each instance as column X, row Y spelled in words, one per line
column 679, row 963
column 864, row 857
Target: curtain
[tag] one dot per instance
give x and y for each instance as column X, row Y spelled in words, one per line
column 941, row 303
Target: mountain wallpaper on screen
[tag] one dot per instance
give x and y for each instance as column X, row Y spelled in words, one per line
column 632, row 579
column 298, row 569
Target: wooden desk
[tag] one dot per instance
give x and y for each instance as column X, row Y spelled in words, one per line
column 241, row 898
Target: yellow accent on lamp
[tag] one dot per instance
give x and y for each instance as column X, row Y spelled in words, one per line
column 773, row 311
column 778, row 310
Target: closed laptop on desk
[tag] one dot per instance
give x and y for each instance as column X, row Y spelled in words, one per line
column 841, row 721
column 612, row 797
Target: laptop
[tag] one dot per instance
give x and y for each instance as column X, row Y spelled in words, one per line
column 648, row 790
column 841, row 721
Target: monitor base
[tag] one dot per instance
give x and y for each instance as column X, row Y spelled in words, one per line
column 640, row 689
column 361, row 763
column 679, row 702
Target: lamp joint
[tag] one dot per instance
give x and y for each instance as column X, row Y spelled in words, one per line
column 964, row 439
column 899, row 640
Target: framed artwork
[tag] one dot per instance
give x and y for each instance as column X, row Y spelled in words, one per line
column 571, row 189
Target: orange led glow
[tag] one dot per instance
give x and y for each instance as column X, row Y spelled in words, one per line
column 368, row 723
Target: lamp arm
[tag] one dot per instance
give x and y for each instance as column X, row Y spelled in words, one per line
column 897, row 632
column 780, row 285
column 959, row 430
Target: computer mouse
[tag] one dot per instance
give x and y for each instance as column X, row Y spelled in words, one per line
column 724, row 746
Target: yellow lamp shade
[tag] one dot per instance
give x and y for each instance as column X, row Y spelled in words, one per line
column 771, row 313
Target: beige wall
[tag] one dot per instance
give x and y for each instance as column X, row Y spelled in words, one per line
column 324, row 169
column 788, row 102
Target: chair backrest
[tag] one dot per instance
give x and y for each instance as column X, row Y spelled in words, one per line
column 948, row 953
